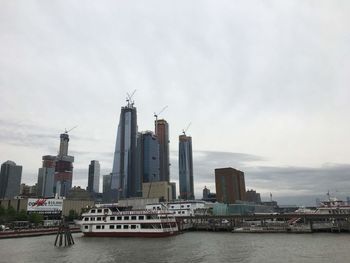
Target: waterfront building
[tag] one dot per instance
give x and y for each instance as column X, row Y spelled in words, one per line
column 10, row 179
column 64, row 168
column 186, row 167
column 206, row 193
column 161, row 190
column 162, row 132
column 94, row 177
column 28, row 190
column 77, row 193
column 252, row 196
column 124, row 182
column 230, row 185
column 46, row 176
column 148, row 155
column 173, row 190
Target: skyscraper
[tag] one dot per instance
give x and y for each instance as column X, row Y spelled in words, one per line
column 148, row 156
column 46, row 177
column 10, row 179
column 106, row 188
column 124, row 182
column 162, row 132
column 230, row 185
column 94, row 177
column 185, row 167
column 64, row 168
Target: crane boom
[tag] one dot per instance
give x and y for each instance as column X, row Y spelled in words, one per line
column 65, row 130
column 185, row 130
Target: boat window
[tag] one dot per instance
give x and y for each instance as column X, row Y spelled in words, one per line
column 183, row 212
column 98, row 227
column 188, row 205
column 125, row 226
column 99, row 210
column 133, row 217
column 112, row 218
column 119, row 218
column 133, row 226
column 98, row 218
column 126, row 218
column 86, row 227
column 92, row 219
column 149, row 217
column 182, row 206
column 141, row 217
column 172, row 206
column 86, row 219
column 103, row 227
column 105, row 210
column 179, row 212
column 111, row 227
column 119, row 226
column 92, row 211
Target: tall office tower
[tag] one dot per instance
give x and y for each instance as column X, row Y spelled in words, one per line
column 186, row 167
column 46, row 177
column 124, row 181
column 162, row 132
column 10, row 180
column 94, row 177
column 64, row 168
column 230, row 185
column 106, row 188
column 148, row 159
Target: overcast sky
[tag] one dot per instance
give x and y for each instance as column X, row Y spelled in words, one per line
column 264, row 83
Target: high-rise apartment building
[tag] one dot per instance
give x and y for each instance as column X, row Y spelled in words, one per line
column 162, row 132
column 186, row 167
column 64, row 168
column 106, row 188
column 10, row 180
column 94, row 177
column 124, row 182
column 230, row 185
column 46, row 177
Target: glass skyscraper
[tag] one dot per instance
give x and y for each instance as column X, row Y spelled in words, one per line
column 94, row 177
column 186, row 167
column 10, row 179
column 124, row 181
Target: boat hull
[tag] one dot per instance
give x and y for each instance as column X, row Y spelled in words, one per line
column 130, row 234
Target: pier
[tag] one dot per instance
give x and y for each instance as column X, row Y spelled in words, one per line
column 291, row 222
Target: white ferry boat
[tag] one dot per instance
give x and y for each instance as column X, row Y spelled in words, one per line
column 111, row 222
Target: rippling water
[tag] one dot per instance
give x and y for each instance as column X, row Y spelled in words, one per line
column 187, row 247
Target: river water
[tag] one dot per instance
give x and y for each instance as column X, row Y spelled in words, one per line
column 187, row 247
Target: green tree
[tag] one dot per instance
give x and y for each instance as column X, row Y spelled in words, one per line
column 35, row 218
column 22, row 216
column 11, row 214
column 2, row 214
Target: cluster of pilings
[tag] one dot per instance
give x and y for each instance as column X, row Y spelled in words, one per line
column 64, row 236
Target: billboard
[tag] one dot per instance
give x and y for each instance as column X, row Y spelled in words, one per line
column 44, row 205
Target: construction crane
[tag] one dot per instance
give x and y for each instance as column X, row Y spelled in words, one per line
column 65, row 130
column 185, row 130
column 129, row 98
column 156, row 116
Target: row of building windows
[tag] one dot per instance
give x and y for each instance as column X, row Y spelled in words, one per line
column 115, row 227
column 112, row 218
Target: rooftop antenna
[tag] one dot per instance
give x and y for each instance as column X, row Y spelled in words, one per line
column 185, row 130
column 156, row 116
column 129, row 98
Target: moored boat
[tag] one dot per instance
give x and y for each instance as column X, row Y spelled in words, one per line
column 108, row 222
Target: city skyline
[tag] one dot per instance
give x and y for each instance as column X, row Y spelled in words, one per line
column 264, row 84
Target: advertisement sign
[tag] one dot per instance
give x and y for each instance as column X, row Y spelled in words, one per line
column 44, row 205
